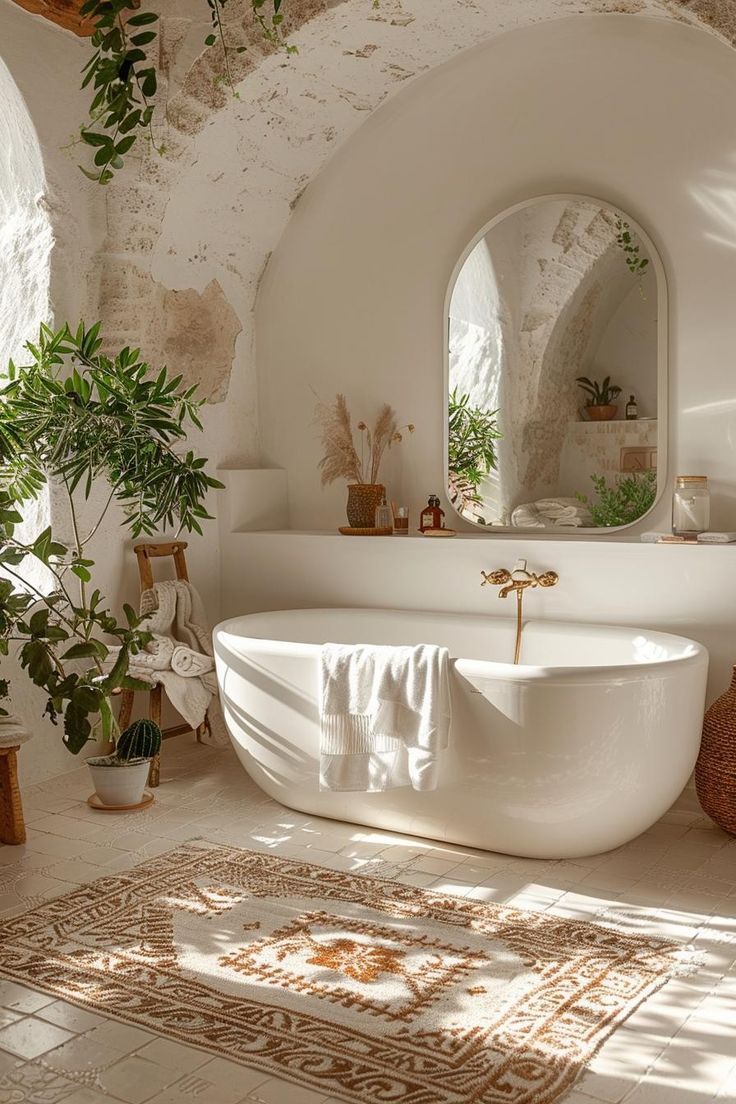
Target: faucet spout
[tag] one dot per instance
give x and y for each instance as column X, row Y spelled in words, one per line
column 516, row 582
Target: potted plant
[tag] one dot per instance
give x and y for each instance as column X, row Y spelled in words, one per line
column 74, row 418
column 472, row 436
column 625, row 502
column 341, row 459
column 120, row 778
column 600, row 406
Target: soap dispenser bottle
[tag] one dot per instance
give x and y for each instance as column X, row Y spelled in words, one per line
column 632, row 410
column 432, row 515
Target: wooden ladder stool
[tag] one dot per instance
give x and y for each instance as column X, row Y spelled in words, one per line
column 145, row 553
column 12, row 827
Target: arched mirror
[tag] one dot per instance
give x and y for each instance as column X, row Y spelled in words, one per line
column 557, row 370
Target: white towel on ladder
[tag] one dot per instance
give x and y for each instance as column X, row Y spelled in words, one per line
column 385, row 716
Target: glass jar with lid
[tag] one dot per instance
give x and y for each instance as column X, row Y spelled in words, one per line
column 690, row 505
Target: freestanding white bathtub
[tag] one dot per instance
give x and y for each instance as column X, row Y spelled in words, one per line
column 578, row 749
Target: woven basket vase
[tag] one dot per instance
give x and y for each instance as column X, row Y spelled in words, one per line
column 715, row 771
column 363, row 498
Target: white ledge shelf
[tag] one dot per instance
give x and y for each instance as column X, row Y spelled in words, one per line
column 629, row 423
column 522, row 537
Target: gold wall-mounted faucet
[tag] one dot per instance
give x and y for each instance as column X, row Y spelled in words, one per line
column 517, row 581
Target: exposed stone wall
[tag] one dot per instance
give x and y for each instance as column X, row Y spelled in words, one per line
column 213, row 207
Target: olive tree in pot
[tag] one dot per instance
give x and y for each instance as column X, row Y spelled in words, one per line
column 83, row 422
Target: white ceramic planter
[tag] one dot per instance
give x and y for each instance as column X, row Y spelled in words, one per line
column 117, row 784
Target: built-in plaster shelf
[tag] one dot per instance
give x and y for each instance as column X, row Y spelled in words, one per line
column 522, row 536
column 635, row 424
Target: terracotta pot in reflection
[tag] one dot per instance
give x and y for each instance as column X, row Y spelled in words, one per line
column 602, row 413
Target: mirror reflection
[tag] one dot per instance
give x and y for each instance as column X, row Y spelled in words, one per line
column 556, row 377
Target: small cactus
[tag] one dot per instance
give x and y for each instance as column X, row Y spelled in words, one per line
column 141, row 740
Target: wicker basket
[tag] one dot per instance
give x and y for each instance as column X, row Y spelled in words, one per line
column 363, row 498
column 715, row 771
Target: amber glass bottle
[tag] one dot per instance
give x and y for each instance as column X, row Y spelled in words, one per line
column 432, row 515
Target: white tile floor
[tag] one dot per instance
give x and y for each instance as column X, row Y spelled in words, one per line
column 678, row 879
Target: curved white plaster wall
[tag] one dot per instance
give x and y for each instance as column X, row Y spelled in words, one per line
column 217, row 205
column 50, row 223
column 637, row 111
column 44, row 63
column 25, row 228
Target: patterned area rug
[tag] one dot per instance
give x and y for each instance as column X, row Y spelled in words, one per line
column 367, row 990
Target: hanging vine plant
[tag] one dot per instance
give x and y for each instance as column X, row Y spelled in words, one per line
column 124, row 82
column 122, row 73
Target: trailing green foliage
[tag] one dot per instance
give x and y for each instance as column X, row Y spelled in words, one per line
column 473, row 432
column 122, row 73
column 628, row 500
column 142, row 740
column 74, row 417
column 273, row 25
column 123, row 78
column 601, row 394
column 637, row 264
column 53, row 630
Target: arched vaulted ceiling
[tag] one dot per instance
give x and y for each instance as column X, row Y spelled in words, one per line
column 287, row 122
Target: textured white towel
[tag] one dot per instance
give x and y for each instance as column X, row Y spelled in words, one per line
column 180, row 655
column 548, row 513
column 190, row 664
column 385, row 716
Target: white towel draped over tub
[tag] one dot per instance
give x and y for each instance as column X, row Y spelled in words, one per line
column 385, row 716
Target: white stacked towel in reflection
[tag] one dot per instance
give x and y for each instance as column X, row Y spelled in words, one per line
column 385, row 716
column 550, row 513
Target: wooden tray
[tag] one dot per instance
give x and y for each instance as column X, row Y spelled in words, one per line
column 94, row 803
column 440, row 533
column 347, row 531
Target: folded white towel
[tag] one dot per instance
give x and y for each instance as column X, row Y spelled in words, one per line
column 179, row 657
column 385, row 716
column 548, row 513
column 190, row 664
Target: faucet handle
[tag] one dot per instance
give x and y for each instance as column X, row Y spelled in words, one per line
column 496, row 578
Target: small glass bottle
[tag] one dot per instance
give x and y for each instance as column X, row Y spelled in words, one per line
column 432, row 515
column 632, row 410
column 384, row 518
column 690, row 505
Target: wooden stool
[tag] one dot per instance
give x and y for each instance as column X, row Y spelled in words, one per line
column 12, row 825
column 145, row 553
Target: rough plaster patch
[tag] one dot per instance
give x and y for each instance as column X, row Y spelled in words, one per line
column 625, row 7
column 564, row 232
column 718, row 14
column 199, row 338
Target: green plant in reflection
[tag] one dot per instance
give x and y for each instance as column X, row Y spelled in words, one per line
column 625, row 502
column 473, row 432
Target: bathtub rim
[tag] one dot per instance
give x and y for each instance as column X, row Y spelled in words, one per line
column 487, row 668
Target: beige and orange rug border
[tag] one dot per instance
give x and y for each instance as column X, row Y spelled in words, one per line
column 607, row 974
